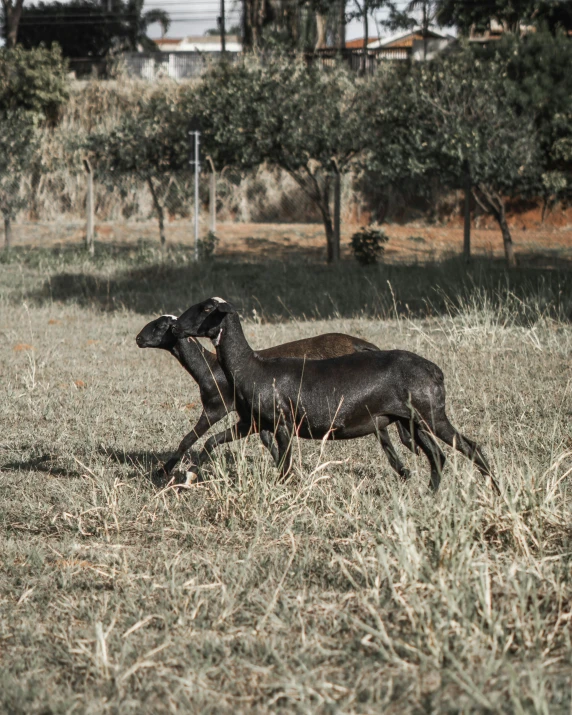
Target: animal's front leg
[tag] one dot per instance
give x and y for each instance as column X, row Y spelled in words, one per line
column 202, row 426
column 284, row 440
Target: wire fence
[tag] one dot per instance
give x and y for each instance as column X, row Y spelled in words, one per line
column 263, row 195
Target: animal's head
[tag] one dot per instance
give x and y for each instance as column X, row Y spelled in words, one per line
column 158, row 333
column 204, row 320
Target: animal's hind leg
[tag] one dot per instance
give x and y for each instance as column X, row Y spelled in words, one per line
column 267, row 440
column 406, row 437
column 389, row 449
column 445, row 431
column 433, row 453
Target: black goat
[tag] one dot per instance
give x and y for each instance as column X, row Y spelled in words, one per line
column 217, row 394
column 338, row 398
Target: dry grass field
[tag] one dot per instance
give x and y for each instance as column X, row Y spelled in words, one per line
column 342, row 590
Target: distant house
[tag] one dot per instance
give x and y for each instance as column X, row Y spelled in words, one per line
column 182, row 58
column 201, row 43
column 408, row 44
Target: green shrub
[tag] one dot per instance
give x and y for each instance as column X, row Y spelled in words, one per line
column 367, row 245
column 207, row 246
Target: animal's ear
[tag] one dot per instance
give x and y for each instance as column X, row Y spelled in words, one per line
column 225, row 308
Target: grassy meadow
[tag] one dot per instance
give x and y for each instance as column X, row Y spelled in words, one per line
column 342, row 590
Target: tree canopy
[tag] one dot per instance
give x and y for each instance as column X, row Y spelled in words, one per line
column 152, row 144
column 89, row 28
column 477, row 14
column 453, row 117
column 33, row 81
column 288, row 114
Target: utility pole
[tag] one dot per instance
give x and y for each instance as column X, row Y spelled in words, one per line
column 222, row 26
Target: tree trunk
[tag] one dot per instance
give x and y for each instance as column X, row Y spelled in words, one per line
column 333, row 252
column 159, row 210
column 492, row 202
column 7, row 233
column 507, row 239
column 12, row 15
column 467, row 216
column 333, row 246
column 342, row 26
column 253, row 16
column 365, row 36
column 425, row 28
column 321, row 25
column 246, row 26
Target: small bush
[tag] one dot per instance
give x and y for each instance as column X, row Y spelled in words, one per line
column 207, row 246
column 367, row 245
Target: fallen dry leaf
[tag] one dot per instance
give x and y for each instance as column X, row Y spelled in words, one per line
column 22, row 346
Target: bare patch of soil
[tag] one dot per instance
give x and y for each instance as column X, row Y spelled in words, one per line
column 413, row 242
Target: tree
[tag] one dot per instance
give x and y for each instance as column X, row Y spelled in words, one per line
column 34, row 81
column 18, row 142
column 362, row 10
column 33, row 88
column 330, row 22
column 290, row 115
column 152, row 144
column 11, row 13
column 511, row 14
column 89, row 28
column 138, row 23
column 539, row 85
column 453, row 116
column 255, row 15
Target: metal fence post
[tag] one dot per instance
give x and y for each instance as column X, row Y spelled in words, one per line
column 467, row 214
column 337, row 210
column 212, row 195
column 89, row 209
column 196, row 161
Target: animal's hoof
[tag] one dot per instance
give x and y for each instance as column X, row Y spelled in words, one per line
column 187, row 479
column 160, row 476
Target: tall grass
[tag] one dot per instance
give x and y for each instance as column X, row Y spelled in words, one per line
column 340, row 590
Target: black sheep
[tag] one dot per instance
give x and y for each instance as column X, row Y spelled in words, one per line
column 338, row 398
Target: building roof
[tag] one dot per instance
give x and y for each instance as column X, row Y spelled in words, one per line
column 404, row 38
column 358, row 43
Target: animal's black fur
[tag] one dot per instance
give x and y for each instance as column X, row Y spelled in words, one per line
column 217, row 394
column 337, row 398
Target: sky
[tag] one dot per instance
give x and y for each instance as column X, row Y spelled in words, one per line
column 195, row 17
